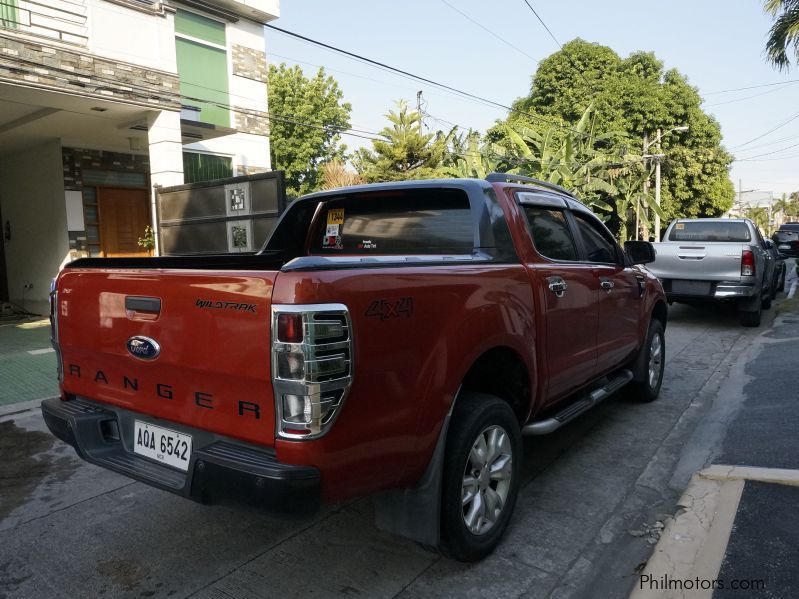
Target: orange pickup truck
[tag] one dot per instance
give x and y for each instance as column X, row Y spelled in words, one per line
column 393, row 340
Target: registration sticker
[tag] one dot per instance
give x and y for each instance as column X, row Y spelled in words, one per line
column 332, row 231
column 679, row 226
column 335, row 216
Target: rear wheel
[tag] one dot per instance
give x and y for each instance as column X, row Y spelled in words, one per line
column 481, row 476
column 750, row 312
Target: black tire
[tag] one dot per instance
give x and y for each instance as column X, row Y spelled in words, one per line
column 775, row 288
column 750, row 312
column 644, row 387
column 782, row 281
column 477, row 415
column 766, row 303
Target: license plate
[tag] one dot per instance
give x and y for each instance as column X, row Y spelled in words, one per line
column 162, row 445
column 783, row 246
column 691, row 287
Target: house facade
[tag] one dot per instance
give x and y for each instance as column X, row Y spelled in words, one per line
column 103, row 100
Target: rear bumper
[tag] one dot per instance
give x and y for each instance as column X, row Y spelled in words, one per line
column 220, row 470
column 714, row 290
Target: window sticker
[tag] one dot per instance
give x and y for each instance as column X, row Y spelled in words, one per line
column 679, row 226
column 332, row 230
column 335, row 216
column 367, row 244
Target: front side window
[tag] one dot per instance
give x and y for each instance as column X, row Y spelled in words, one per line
column 598, row 247
column 550, row 232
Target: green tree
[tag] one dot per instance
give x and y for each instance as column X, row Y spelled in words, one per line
column 405, row 153
column 784, row 33
column 306, row 116
column 632, row 97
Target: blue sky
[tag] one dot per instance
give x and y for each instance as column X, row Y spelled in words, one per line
column 717, row 44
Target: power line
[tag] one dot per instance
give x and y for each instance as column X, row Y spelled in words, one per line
column 770, row 153
column 552, row 35
column 770, row 91
column 740, row 89
column 486, row 29
column 405, row 73
column 770, row 131
column 540, row 20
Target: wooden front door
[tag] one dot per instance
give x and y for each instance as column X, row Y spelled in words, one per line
column 124, row 214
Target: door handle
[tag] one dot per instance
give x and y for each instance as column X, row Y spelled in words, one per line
column 557, row 286
column 606, row 284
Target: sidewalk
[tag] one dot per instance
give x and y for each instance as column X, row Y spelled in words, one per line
column 27, row 361
column 735, row 534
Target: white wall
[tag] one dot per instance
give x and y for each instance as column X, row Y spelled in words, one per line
column 32, row 201
column 132, row 36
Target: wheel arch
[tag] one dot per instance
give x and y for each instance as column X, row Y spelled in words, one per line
column 501, row 371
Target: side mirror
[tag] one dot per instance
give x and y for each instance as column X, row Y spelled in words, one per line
column 640, row 252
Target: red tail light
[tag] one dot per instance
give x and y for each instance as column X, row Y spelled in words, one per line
column 747, row 263
column 289, row 327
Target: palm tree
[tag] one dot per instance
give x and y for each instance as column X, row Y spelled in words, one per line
column 784, row 33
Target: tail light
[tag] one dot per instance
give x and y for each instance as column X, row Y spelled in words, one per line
column 747, row 263
column 312, row 359
column 54, row 329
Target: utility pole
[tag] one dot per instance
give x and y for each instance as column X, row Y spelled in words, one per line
column 419, row 108
column 646, row 191
column 657, row 189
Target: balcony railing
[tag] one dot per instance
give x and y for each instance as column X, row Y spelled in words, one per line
column 62, row 20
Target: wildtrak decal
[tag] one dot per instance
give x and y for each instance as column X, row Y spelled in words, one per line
column 203, row 303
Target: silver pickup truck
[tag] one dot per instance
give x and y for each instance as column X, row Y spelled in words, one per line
column 717, row 259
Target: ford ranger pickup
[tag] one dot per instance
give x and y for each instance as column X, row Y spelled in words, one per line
column 393, row 340
column 718, row 259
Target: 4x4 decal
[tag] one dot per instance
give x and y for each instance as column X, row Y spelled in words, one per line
column 385, row 309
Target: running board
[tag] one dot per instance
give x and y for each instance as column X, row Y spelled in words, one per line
column 572, row 411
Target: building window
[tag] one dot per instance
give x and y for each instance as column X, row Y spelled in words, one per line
column 206, row 167
column 202, row 66
column 9, row 15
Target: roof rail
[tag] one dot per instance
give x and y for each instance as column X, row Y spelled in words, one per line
column 508, row 178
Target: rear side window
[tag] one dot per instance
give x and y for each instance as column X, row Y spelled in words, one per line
column 698, row 230
column 550, row 232
column 424, row 221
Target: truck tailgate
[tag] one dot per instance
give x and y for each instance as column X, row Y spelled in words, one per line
column 698, row 261
column 213, row 331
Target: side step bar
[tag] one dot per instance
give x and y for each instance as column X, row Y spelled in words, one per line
column 572, row 411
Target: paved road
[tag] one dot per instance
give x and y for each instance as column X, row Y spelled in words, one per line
column 68, row 529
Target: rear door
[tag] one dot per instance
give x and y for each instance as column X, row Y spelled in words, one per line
column 566, row 291
column 619, row 303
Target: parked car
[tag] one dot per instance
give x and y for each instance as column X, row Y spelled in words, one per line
column 780, row 269
column 394, row 338
column 786, row 238
column 717, row 259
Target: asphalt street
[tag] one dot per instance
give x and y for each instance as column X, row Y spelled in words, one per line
column 69, row 529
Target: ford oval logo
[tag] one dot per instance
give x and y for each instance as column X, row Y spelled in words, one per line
column 143, row 348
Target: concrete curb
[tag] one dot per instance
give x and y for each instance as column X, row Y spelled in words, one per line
column 692, row 547
column 21, row 407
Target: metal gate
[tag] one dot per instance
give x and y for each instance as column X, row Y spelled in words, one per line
column 233, row 215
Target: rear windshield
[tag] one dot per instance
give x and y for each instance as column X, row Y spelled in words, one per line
column 411, row 221
column 789, row 227
column 710, row 231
